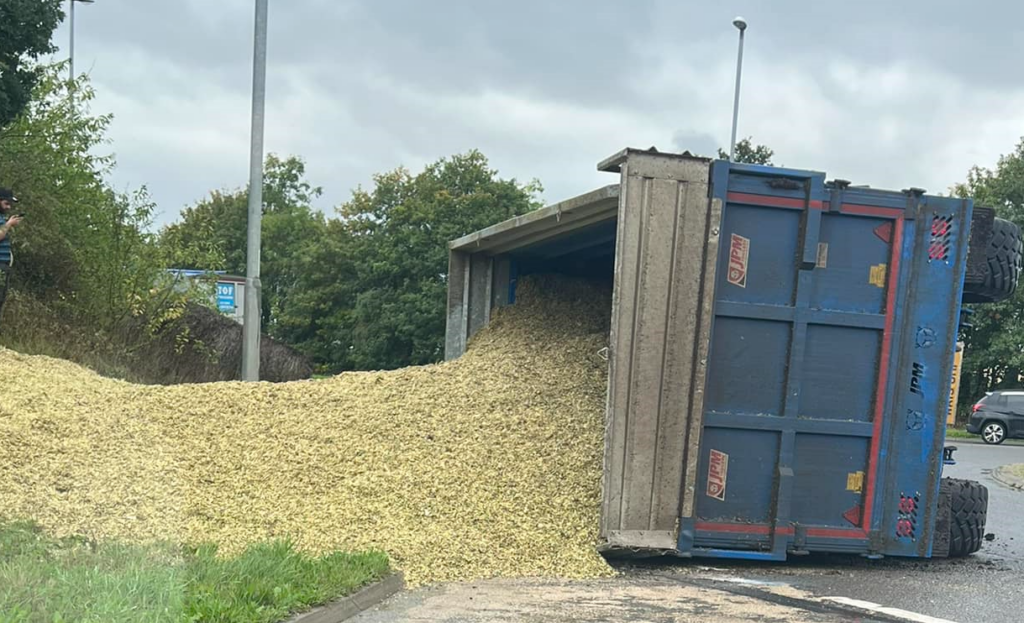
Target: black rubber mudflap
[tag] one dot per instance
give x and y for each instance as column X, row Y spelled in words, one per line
column 992, row 272
column 960, row 518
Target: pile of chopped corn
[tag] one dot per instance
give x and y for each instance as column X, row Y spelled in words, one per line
column 488, row 465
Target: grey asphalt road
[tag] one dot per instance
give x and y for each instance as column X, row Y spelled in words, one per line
column 983, row 588
column 638, row 599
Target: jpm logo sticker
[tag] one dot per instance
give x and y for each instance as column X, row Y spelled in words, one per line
column 718, row 474
column 739, row 254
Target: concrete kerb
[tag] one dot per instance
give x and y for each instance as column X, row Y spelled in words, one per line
column 348, row 607
column 1003, row 475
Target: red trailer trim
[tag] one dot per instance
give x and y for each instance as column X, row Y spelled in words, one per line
column 883, row 373
column 775, row 202
column 853, row 208
column 762, row 530
column 740, row 528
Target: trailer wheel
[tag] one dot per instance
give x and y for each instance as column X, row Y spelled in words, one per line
column 960, row 525
column 999, row 268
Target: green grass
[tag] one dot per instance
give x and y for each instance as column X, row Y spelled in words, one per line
column 49, row 580
column 959, row 433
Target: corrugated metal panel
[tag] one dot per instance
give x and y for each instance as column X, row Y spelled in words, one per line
column 665, row 256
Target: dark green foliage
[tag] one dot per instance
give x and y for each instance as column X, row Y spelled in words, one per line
column 26, row 27
column 994, row 346
column 367, row 289
column 749, row 153
column 84, row 258
column 215, row 228
column 392, row 242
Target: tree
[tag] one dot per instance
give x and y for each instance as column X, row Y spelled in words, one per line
column 26, row 27
column 371, row 293
column 748, row 153
column 49, row 155
column 994, row 345
column 211, row 235
column 86, row 268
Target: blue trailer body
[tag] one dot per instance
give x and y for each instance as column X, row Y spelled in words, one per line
column 835, row 321
column 780, row 354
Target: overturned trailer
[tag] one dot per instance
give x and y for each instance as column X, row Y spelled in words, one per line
column 780, row 352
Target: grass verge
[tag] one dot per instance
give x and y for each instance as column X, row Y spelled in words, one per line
column 959, row 433
column 43, row 579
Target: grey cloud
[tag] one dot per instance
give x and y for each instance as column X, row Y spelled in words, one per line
column 571, row 48
column 546, row 89
column 697, row 143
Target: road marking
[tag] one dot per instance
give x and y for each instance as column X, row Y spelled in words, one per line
column 906, row 615
column 746, row 581
column 866, row 607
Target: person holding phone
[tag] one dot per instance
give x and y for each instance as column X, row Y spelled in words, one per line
column 7, row 222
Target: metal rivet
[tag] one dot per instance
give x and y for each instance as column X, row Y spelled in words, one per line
column 714, row 231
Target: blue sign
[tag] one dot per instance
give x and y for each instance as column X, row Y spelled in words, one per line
column 226, row 297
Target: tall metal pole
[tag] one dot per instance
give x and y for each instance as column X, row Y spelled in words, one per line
column 71, row 48
column 251, row 319
column 741, row 24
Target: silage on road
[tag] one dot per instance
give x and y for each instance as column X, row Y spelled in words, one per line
column 485, row 466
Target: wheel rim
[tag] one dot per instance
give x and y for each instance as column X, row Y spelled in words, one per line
column 993, row 433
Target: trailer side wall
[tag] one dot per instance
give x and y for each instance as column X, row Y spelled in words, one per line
column 665, row 257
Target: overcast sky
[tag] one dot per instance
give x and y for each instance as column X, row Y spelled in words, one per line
column 891, row 94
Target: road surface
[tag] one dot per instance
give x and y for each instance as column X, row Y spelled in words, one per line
column 643, row 598
column 983, row 588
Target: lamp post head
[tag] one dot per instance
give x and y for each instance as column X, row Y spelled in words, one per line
column 740, row 23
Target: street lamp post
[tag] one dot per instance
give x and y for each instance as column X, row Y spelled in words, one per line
column 741, row 25
column 71, row 49
column 251, row 319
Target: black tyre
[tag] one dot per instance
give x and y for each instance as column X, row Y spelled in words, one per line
column 993, row 433
column 999, row 269
column 960, row 524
